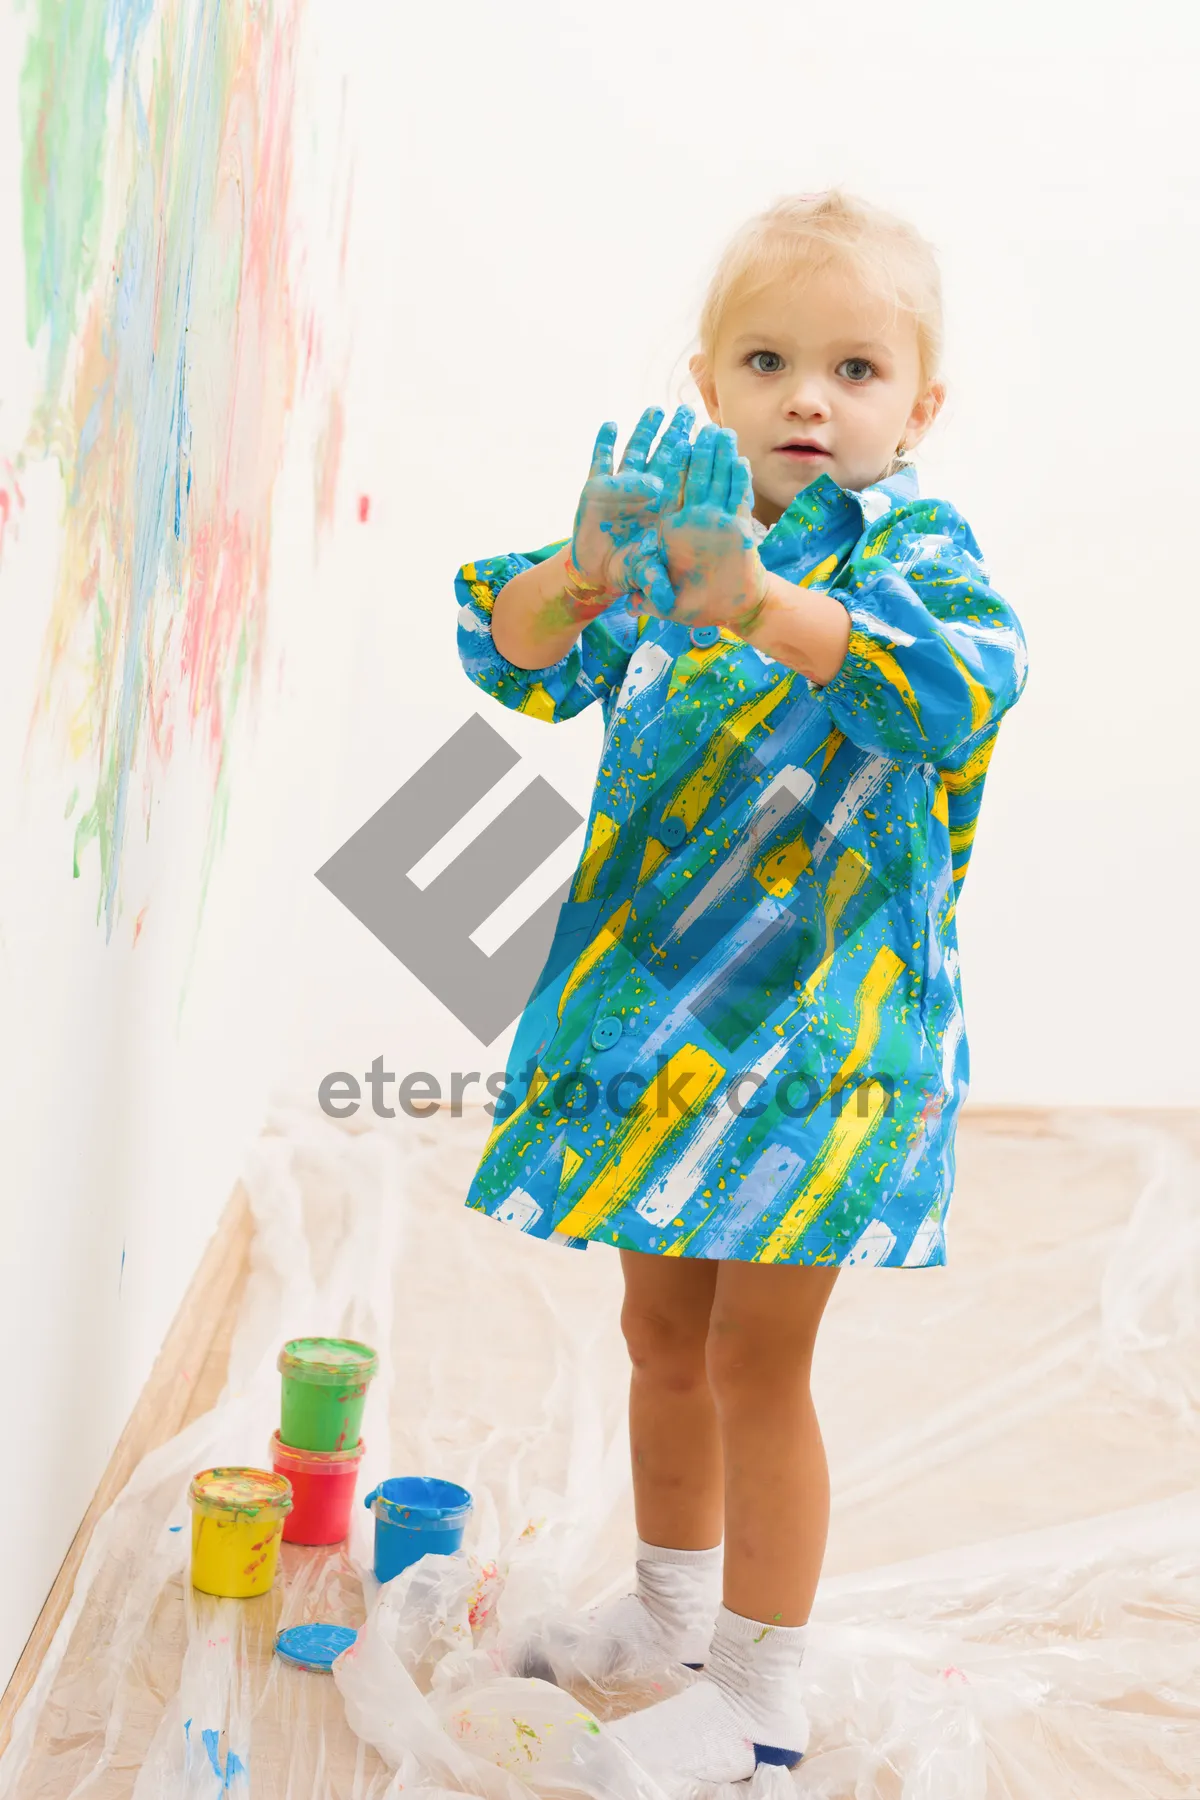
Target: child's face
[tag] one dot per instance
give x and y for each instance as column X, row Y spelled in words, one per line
column 816, row 357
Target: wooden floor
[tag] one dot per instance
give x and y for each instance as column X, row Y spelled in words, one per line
column 185, row 1382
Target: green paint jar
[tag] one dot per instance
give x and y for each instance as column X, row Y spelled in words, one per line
column 325, row 1382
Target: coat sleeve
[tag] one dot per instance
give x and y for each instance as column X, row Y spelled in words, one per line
column 593, row 668
column 936, row 656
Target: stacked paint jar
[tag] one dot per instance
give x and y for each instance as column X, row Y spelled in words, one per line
column 318, row 1445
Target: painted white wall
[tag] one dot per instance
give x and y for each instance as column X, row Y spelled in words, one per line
column 540, row 193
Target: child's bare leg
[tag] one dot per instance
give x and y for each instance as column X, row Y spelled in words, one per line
column 674, row 1436
column 678, row 1483
column 748, row 1709
column 763, row 1329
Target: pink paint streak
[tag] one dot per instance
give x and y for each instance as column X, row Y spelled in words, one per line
column 328, row 460
column 12, row 500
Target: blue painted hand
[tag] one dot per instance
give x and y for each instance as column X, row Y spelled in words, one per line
column 711, row 559
column 614, row 541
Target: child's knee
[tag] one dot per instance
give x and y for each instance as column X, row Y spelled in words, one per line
column 750, row 1365
column 666, row 1347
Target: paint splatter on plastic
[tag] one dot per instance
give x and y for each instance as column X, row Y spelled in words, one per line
column 234, row 1766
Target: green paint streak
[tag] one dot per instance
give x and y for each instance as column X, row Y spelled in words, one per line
column 63, row 107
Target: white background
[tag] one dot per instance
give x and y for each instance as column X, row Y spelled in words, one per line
column 540, row 194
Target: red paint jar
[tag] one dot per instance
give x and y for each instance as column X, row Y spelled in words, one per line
column 323, row 1483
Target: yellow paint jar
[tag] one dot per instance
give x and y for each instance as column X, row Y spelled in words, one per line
column 237, row 1522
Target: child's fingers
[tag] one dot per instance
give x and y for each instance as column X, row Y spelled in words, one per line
column 670, row 459
column 602, row 450
column 657, row 587
column 675, row 487
column 724, row 463
column 699, row 476
column 741, row 486
column 638, row 447
column 648, row 573
column 675, row 437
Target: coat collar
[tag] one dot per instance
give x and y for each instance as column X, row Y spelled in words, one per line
column 823, row 507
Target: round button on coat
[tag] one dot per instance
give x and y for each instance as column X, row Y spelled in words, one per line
column 605, row 1033
column 671, row 831
column 704, row 635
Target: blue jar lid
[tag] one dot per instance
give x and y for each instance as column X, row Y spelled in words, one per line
column 313, row 1646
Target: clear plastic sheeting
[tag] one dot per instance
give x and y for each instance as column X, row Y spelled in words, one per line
column 477, row 1730
column 1011, row 1605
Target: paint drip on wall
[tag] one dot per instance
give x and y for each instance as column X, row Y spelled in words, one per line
column 166, row 286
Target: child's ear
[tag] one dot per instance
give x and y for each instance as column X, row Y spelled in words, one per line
column 698, row 369
column 925, row 411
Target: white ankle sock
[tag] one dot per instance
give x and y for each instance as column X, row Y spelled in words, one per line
column 668, row 1618
column 758, row 1666
column 681, row 1591
column 747, row 1709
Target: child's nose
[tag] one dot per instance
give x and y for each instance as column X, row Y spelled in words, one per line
column 809, row 397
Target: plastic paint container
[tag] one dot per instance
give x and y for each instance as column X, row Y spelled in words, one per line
column 237, row 1522
column 323, row 1484
column 313, row 1646
column 325, row 1382
column 416, row 1516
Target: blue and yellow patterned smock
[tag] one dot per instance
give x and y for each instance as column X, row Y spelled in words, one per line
column 747, row 1041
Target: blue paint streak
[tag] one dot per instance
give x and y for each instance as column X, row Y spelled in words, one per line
column 126, row 21
column 234, row 1766
column 180, row 417
column 155, row 374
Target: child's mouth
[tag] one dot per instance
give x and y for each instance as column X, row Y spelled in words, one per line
column 803, row 452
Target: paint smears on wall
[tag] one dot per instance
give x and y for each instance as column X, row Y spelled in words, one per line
column 160, row 257
column 11, row 500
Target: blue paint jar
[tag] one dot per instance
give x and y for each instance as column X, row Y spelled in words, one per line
column 416, row 1516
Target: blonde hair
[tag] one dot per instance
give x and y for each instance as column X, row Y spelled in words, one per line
column 812, row 230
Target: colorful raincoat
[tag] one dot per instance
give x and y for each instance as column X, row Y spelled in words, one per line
column 747, row 1041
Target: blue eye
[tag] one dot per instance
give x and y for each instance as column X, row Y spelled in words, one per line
column 774, row 353
column 857, row 362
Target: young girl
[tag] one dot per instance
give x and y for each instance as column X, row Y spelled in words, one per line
column 744, row 1061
